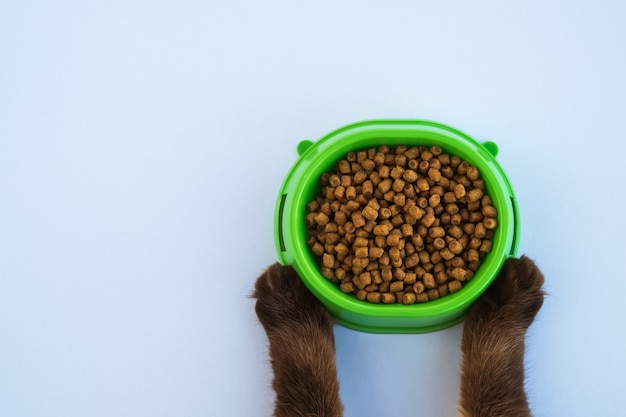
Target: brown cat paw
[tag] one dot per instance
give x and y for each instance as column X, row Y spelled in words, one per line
column 283, row 300
column 516, row 295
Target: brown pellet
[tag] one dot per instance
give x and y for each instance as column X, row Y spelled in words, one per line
column 340, row 274
column 396, row 286
column 429, row 280
column 328, row 260
column 399, row 274
column 410, row 175
column 454, row 286
column 317, row 249
column 386, row 274
column 468, row 228
column 434, row 174
column 361, row 252
column 341, row 249
column 410, row 278
column 455, row 247
column 436, row 232
column 415, row 212
column 446, row 254
column 489, row 211
column 344, row 167
column 400, row 225
column 433, row 294
column 490, row 223
column 458, row 274
column 400, row 160
column 332, row 238
column 474, row 195
column 360, row 263
column 434, row 200
column 358, row 220
column 384, row 213
column 373, row 297
column 381, row 230
column 475, row 243
column 412, row 261
column 388, row 298
column 485, row 246
column 398, row 185
column 408, row 298
column 421, row 297
column 321, row 219
column 443, row 290
column 371, row 288
column 369, row 213
column 459, row 191
column 422, row 184
column 327, row 272
column 417, row 241
column 439, row 243
column 394, row 253
column 456, row 219
column 399, row 200
column 441, row 277
column 455, row 232
column 347, row 287
column 418, row 287
column 368, row 164
column 473, row 255
column 449, row 197
column 407, row 229
column 376, row 252
column 472, row 173
column 480, row 231
column 457, row 262
column 452, row 208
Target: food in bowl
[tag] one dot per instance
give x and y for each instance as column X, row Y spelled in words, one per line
column 402, row 224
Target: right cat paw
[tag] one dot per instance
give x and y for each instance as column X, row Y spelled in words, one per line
column 283, row 300
column 516, row 294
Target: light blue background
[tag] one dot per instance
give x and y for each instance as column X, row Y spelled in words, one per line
column 142, row 144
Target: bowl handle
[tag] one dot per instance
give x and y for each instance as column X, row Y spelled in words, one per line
column 303, row 145
column 491, row 147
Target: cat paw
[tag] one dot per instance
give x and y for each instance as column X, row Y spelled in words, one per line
column 516, row 294
column 282, row 300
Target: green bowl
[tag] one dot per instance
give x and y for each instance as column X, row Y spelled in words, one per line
column 302, row 184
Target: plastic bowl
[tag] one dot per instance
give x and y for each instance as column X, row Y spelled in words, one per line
column 302, row 183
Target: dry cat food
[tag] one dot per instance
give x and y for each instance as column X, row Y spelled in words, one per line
column 400, row 225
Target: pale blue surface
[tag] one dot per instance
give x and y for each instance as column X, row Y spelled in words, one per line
column 142, row 145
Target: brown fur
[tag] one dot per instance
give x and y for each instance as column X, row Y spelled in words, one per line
column 302, row 346
column 492, row 374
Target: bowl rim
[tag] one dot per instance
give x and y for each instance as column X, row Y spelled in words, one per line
column 317, row 156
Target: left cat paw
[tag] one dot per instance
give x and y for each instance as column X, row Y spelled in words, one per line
column 283, row 300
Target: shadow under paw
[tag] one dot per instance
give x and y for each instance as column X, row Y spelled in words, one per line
column 516, row 294
column 284, row 300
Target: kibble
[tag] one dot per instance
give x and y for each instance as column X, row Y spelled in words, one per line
column 400, row 225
